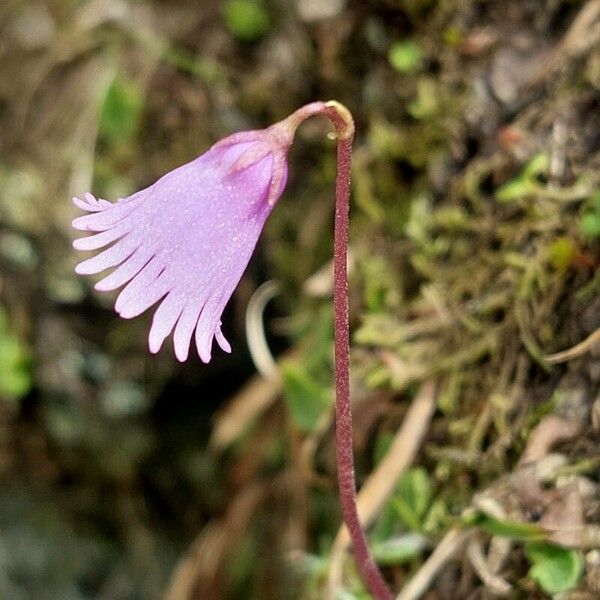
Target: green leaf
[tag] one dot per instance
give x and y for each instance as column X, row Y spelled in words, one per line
column 590, row 224
column 415, row 488
column 304, row 397
column 311, row 565
column 380, row 285
column 246, row 20
column 553, row 568
column 413, row 497
column 437, row 517
column 11, row 352
column 318, row 341
column 515, row 530
column 15, row 383
column 527, row 183
column 453, row 36
column 382, row 445
column 515, row 190
column 561, row 253
column 537, row 166
column 399, row 550
column 15, row 370
column 405, row 57
column 426, row 104
column 386, row 525
column 121, row 111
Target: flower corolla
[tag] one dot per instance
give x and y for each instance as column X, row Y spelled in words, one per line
column 187, row 239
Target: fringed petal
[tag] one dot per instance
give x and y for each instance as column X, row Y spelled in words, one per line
column 107, row 217
column 112, row 257
column 126, row 271
column 138, row 284
column 185, row 329
column 164, row 320
column 223, row 343
column 99, row 240
column 90, row 204
column 205, row 330
column 142, row 302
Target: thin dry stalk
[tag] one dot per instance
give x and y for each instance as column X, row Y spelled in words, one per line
column 452, row 543
column 243, row 409
column 496, row 584
column 207, row 552
column 575, row 351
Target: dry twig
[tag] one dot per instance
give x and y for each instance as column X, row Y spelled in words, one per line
column 205, row 556
column 575, row 351
column 452, row 543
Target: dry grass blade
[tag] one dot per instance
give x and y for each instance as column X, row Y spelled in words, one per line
column 251, row 401
column 548, row 432
column 575, row 351
column 583, row 34
column 452, row 542
column 255, row 329
column 495, row 584
column 204, row 559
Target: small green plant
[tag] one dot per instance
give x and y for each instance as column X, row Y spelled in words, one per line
column 121, row 111
column 426, row 104
column 15, row 364
column 527, row 183
column 246, row 20
column 562, row 252
column 305, row 397
column 553, row 568
column 413, row 498
column 516, row 530
column 399, row 549
column 411, row 515
column 405, row 57
column 532, row 181
column 306, row 383
column 590, row 220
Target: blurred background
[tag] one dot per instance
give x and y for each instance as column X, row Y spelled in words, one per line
column 474, row 233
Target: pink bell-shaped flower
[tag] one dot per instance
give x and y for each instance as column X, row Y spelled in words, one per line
column 187, row 239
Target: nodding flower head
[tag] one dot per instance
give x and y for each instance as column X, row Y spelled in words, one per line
column 187, row 239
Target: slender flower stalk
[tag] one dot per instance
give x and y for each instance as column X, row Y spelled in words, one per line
column 186, row 241
column 342, row 121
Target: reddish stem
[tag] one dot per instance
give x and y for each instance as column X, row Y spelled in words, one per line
column 343, row 410
column 341, row 119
